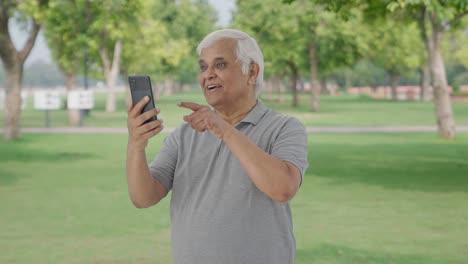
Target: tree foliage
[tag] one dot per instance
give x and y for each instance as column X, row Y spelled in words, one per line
column 396, row 47
column 150, row 46
column 187, row 22
column 302, row 35
column 65, row 33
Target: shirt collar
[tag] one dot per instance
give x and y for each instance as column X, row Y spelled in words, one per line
column 254, row 116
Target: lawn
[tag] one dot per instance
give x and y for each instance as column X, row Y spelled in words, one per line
column 343, row 110
column 366, row 198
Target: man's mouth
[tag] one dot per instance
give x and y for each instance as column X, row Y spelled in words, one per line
column 213, row 86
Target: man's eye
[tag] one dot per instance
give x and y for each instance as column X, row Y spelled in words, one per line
column 220, row 65
column 203, row 68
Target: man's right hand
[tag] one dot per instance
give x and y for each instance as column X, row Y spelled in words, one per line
column 138, row 131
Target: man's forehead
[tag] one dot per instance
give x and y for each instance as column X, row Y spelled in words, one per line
column 220, row 49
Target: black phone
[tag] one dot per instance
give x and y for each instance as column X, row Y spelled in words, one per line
column 140, row 86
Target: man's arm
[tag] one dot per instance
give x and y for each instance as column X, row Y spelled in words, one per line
column 278, row 179
column 144, row 190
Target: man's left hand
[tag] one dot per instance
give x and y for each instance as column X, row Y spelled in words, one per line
column 203, row 118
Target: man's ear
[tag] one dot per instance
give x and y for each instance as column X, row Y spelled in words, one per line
column 254, row 71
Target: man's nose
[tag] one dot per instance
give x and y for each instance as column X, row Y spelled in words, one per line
column 210, row 73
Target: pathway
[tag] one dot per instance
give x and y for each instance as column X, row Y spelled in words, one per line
column 123, row 130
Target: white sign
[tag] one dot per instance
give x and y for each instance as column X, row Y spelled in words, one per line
column 83, row 99
column 46, row 100
column 24, row 100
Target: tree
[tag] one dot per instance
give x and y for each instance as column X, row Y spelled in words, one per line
column 276, row 28
column 334, row 43
column 32, row 13
column 65, row 33
column 396, row 48
column 304, row 37
column 434, row 17
column 441, row 16
column 366, row 73
column 461, row 51
column 187, row 23
column 110, row 22
column 456, row 56
column 194, row 21
column 150, row 46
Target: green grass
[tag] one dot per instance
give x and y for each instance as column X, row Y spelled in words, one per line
column 344, row 110
column 349, row 110
column 366, row 198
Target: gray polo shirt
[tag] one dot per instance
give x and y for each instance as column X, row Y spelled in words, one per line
column 218, row 215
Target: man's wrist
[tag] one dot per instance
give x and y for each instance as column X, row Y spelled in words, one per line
column 135, row 149
column 229, row 134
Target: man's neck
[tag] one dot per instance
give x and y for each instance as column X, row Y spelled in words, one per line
column 235, row 116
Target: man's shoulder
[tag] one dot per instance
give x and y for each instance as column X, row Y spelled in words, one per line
column 183, row 128
column 180, row 132
column 274, row 118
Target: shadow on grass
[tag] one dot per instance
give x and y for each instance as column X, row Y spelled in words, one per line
column 326, row 253
column 19, row 154
column 434, row 166
column 33, row 155
column 6, row 177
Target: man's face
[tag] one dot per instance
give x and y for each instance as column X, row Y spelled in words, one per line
column 221, row 77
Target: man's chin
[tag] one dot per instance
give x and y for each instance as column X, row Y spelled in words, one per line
column 213, row 102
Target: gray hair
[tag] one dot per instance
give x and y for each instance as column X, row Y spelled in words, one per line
column 247, row 51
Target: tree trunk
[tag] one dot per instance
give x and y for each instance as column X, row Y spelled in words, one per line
column 443, row 105
column 425, row 71
column 276, row 83
column 186, row 87
column 282, row 91
column 111, row 72
column 268, row 87
column 178, row 87
column 424, row 82
column 347, row 79
column 128, row 96
column 323, row 86
column 293, row 82
column 12, row 112
column 156, row 90
column 169, row 86
column 314, row 83
column 394, row 80
column 13, row 61
column 73, row 114
column 332, row 87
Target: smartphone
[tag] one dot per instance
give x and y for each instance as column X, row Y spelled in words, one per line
column 140, row 86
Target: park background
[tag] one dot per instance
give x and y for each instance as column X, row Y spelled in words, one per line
column 386, row 184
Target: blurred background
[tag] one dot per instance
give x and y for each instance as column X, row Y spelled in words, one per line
column 382, row 87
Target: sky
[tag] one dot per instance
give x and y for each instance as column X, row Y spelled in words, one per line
column 41, row 52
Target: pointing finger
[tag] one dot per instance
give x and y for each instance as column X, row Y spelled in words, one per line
column 190, row 105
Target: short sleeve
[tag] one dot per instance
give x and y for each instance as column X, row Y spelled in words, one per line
column 163, row 166
column 291, row 145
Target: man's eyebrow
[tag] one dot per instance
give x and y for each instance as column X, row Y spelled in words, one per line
column 200, row 61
